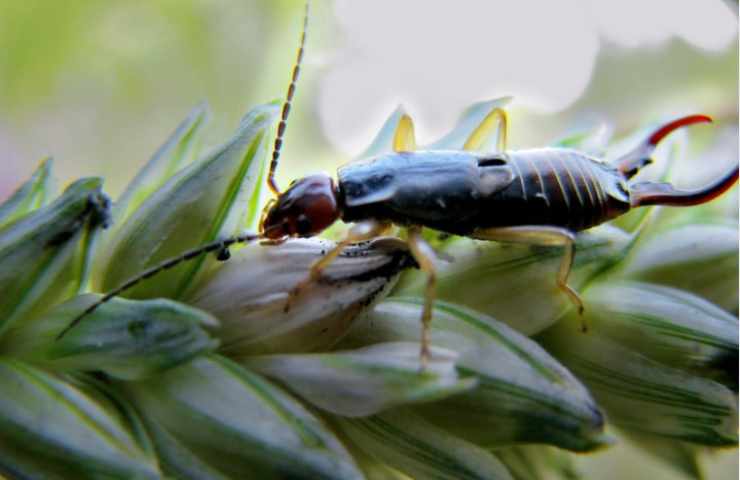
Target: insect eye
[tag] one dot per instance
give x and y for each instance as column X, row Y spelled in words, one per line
column 303, row 224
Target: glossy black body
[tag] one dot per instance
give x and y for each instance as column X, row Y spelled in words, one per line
column 460, row 192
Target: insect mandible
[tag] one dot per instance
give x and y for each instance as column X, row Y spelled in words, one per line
column 539, row 196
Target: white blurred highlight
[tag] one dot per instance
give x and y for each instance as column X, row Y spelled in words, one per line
column 439, row 57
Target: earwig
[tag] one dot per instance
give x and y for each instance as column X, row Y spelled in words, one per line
column 540, row 196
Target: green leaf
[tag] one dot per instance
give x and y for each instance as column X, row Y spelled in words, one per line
column 45, row 255
column 56, row 423
column 522, row 395
column 702, row 259
column 210, row 199
column 33, row 194
column 362, row 382
column 125, row 339
column 466, row 125
column 502, row 279
column 645, row 396
column 417, row 448
column 240, row 424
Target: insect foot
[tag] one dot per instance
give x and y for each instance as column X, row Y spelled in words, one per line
column 252, row 313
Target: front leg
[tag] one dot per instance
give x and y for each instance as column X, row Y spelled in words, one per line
column 424, row 255
column 361, row 231
column 543, row 235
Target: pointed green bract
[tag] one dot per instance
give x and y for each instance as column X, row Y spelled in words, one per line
column 646, row 396
column 240, row 424
column 176, row 152
column 56, row 422
column 679, row 456
column 45, row 255
column 522, row 395
column 362, row 382
column 177, row 460
column 696, row 258
column 417, row 448
column 516, row 284
column 33, row 194
column 668, row 325
column 538, row 462
column 125, row 339
column 210, row 199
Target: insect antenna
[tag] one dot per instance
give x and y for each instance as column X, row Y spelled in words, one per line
column 286, row 108
column 219, row 245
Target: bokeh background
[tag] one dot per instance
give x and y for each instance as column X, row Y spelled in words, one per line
column 100, row 84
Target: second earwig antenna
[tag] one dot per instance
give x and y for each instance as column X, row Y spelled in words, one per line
column 286, row 108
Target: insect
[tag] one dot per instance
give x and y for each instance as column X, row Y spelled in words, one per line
column 539, row 196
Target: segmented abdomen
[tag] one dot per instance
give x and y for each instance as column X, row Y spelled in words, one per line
column 555, row 187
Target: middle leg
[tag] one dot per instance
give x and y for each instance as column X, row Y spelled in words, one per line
column 424, row 255
column 546, row 236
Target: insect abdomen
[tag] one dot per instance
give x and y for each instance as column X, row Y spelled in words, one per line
column 553, row 186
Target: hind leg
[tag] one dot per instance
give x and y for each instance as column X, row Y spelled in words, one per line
column 424, row 256
column 545, row 236
column 496, row 120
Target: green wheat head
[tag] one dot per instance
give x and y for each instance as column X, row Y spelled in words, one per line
column 199, row 373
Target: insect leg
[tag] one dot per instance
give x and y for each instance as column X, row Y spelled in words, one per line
column 404, row 138
column 543, row 235
column 496, row 120
column 424, row 256
column 361, row 231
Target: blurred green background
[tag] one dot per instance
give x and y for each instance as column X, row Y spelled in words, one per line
column 100, row 84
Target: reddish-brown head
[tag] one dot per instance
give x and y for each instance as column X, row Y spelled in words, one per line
column 306, row 208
